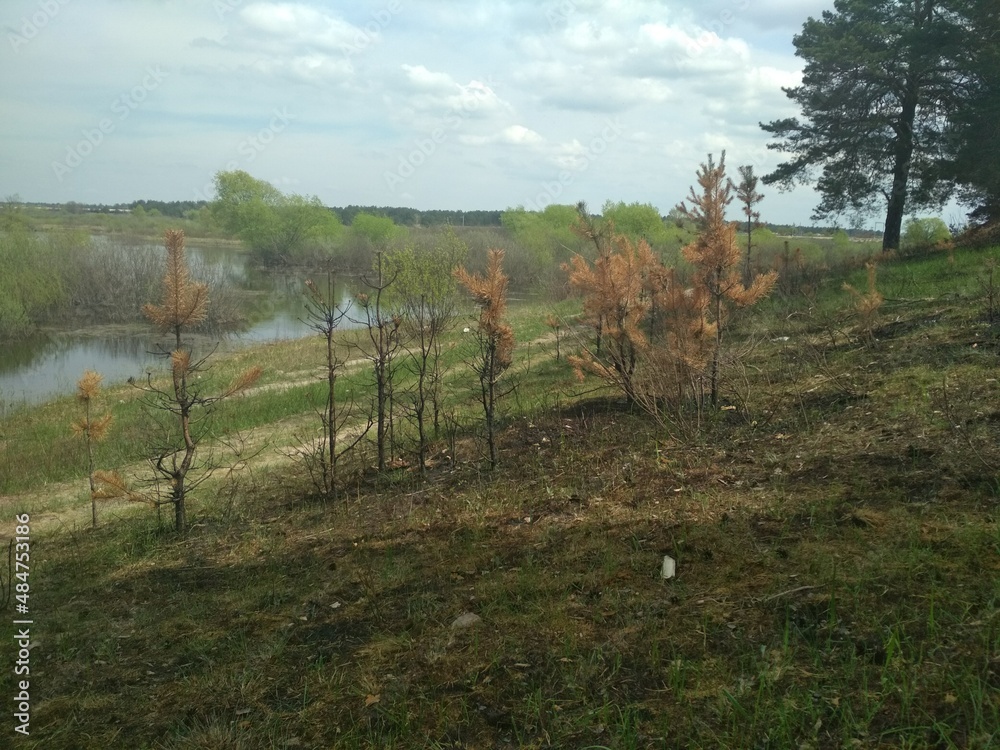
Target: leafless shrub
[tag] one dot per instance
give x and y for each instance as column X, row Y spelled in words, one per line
column 113, row 277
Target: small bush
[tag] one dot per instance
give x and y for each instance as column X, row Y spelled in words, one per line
column 921, row 234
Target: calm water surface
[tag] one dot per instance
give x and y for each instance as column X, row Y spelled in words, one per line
column 49, row 364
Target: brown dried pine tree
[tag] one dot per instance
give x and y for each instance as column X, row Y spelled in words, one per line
column 91, row 428
column 716, row 257
column 184, row 304
column 494, row 338
column 653, row 339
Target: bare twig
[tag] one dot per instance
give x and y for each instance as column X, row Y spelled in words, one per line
column 791, row 591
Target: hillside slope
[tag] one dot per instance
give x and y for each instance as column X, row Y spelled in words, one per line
column 834, row 527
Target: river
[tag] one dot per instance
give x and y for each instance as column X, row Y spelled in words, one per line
column 48, row 364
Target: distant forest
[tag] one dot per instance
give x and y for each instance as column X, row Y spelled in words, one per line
column 402, row 216
column 407, row 217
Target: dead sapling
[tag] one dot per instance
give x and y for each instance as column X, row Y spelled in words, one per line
column 989, row 287
column 184, row 304
column 865, row 306
column 555, row 323
column 385, row 330
column 323, row 458
column 494, row 341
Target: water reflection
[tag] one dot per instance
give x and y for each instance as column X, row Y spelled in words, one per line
column 49, row 366
column 23, row 353
column 276, row 306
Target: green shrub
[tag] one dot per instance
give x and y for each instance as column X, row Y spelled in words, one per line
column 29, row 286
column 924, row 233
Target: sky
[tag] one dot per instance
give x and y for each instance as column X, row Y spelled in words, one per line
column 433, row 104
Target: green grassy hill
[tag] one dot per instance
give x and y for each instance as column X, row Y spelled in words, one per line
column 834, row 524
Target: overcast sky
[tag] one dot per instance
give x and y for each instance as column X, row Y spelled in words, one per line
column 422, row 103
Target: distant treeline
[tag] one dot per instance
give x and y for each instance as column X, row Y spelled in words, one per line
column 411, row 217
column 402, row 216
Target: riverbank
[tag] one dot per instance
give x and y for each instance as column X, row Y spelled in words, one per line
column 38, row 448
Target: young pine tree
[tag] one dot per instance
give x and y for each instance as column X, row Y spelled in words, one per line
column 616, row 304
column 716, row 257
column 494, row 339
column 184, row 304
column 653, row 334
column 91, row 428
column 748, row 197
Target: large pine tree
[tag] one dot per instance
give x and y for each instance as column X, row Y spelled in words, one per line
column 881, row 82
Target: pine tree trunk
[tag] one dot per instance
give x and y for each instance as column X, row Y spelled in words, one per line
column 180, row 519
column 717, row 293
column 330, row 470
column 489, row 398
column 490, row 438
column 747, row 266
column 902, row 160
column 90, row 466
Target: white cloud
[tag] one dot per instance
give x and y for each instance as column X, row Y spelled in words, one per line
column 427, row 96
column 512, row 135
column 671, row 52
column 578, row 86
column 588, row 38
column 296, row 25
column 425, row 80
column 519, row 135
column 313, row 68
column 287, row 41
column 571, row 155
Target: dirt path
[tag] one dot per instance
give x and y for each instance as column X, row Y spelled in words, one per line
column 63, row 506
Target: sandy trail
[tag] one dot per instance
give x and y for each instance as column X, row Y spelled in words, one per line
column 65, row 506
